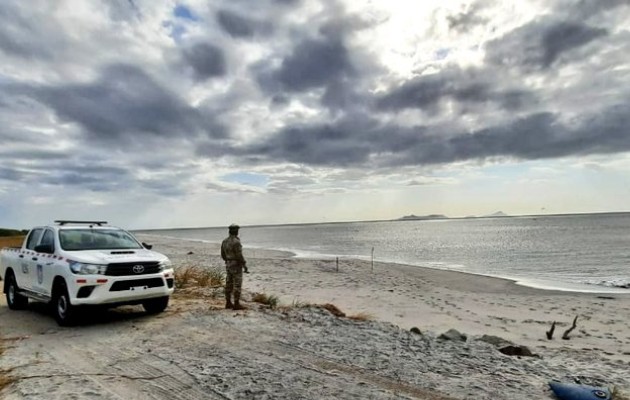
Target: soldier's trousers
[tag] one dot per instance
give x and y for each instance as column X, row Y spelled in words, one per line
column 233, row 280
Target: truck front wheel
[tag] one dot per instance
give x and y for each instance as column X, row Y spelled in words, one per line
column 155, row 306
column 15, row 300
column 64, row 311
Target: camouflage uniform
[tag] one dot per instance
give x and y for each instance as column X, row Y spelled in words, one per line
column 232, row 254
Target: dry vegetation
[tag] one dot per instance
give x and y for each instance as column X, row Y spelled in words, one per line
column 195, row 282
column 5, row 378
column 192, row 281
column 11, row 241
column 194, row 276
column 333, row 309
column 268, row 300
column 361, row 317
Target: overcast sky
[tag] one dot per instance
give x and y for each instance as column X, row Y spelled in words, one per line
column 202, row 113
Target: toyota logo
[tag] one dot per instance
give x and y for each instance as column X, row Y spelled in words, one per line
column 138, row 269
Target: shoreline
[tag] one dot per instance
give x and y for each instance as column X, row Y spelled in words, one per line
column 301, row 349
column 429, row 299
column 545, row 285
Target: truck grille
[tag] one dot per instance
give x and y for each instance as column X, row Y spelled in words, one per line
column 126, row 285
column 132, row 268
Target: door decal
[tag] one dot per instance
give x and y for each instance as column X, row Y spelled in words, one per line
column 40, row 274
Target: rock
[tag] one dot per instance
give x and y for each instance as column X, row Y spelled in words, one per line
column 190, row 252
column 495, row 340
column 522, row 351
column 453, row 334
column 415, row 330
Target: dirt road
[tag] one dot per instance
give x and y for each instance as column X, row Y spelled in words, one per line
column 200, row 353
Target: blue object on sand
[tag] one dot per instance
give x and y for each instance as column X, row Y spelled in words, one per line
column 574, row 391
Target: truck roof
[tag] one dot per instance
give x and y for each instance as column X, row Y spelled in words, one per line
column 65, row 224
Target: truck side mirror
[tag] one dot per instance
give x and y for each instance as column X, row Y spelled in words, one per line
column 45, row 248
column 147, row 246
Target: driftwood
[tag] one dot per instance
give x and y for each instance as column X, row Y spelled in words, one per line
column 565, row 336
column 550, row 331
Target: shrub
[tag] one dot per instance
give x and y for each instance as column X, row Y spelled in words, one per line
column 269, row 300
column 213, row 277
column 299, row 304
column 190, row 275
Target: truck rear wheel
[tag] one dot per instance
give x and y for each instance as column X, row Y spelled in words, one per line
column 63, row 310
column 15, row 300
column 155, row 306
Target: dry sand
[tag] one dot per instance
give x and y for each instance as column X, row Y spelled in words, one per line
column 196, row 350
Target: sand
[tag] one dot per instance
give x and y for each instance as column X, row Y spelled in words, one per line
column 198, row 350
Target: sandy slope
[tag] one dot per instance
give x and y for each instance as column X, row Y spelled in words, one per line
column 196, row 350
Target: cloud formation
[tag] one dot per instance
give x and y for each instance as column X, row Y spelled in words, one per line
column 171, row 97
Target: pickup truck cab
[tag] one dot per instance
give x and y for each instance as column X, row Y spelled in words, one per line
column 79, row 263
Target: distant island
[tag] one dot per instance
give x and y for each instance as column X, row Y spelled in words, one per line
column 417, row 217
column 413, row 217
column 497, row 214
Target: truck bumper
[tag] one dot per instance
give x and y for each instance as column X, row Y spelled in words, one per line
column 116, row 290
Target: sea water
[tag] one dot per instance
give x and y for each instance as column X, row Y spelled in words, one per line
column 586, row 252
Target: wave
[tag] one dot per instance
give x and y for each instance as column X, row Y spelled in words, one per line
column 619, row 283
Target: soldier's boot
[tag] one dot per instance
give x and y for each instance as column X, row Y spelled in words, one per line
column 228, row 302
column 237, row 303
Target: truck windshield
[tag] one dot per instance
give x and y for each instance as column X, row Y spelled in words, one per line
column 96, row 239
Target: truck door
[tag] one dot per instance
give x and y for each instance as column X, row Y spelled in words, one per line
column 44, row 266
column 27, row 261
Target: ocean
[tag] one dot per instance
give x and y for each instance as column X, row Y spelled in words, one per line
column 585, row 252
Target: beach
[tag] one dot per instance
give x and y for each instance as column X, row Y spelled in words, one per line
column 196, row 349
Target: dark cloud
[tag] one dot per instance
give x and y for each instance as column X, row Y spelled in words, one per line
column 468, row 19
column 464, row 86
column 279, row 100
column 96, row 175
column 540, row 44
column 122, row 10
column 343, row 97
column 358, row 140
column 10, row 174
column 566, row 36
column 312, row 63
column 33, row 153
column 239, row 26
column 126, row 104
column 322, row 144
column 165, row 187
column 206, row 60
column 26, row 33
column 586, row 9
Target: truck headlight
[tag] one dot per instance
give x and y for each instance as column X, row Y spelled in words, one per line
column 165, row 264
column 87, row 269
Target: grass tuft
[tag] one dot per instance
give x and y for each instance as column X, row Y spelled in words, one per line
column 269, row 300
column 299, row 304
column 362, row 316
column 194, row 276
column 333, row 309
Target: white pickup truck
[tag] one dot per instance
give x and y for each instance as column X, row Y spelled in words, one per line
column 77, row 263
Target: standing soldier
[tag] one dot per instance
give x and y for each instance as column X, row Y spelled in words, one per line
column 235, row 264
